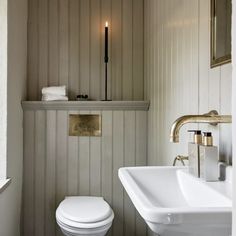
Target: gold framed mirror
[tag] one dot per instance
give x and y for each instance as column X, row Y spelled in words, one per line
column 221, row 13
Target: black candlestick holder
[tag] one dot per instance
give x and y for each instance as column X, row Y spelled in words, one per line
column 106, row 97
column 106, row 61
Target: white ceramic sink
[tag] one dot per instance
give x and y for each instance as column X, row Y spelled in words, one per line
column 175, row 203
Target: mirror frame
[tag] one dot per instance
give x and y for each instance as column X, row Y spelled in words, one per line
column 221, row 60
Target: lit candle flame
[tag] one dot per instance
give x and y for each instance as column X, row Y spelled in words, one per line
column 106, row 24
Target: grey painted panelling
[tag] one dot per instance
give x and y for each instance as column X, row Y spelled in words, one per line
column 66, row 47
column 178, row 78
column 56, row 165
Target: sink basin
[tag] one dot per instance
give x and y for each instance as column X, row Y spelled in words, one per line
column 175, row 203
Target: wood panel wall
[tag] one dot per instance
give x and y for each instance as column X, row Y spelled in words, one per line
column 66, row 47
column 178, row 77
column 56, row 165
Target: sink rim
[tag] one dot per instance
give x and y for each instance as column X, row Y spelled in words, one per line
column 151, row 212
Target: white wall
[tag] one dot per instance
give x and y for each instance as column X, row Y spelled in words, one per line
column 3, row 87
column 234, row 111
column 10, row 199
column 178, row 77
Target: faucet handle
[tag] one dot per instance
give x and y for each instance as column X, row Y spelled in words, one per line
column 181, row 159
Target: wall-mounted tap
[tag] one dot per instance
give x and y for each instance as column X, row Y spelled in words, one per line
column 203, row 157
column 211, row 118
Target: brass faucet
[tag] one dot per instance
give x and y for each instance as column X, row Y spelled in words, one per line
column 211, row 118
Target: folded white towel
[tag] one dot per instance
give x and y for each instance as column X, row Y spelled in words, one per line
column 55, row 90
column 52, row 97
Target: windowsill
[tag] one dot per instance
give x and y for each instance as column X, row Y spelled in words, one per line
column 4, row 184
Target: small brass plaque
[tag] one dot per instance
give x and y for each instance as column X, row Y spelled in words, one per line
column 85, row 125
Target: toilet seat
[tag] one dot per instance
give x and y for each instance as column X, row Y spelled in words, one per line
column 75, row 224
column 75, row 231
column 83, row 214
column 84, row 209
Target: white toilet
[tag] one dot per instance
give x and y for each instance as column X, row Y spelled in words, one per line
column 78, row 216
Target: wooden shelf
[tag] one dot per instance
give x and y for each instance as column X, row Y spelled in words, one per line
column 86, row 105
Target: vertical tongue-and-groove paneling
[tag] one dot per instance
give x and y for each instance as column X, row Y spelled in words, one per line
column 57, row 165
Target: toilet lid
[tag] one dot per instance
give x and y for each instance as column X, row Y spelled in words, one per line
column 85, row 209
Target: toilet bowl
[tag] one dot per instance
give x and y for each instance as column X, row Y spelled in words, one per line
column 80, row 215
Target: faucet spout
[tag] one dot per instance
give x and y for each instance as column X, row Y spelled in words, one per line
column 211, row 118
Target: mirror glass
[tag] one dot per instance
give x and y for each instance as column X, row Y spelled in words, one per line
column 221, row 11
